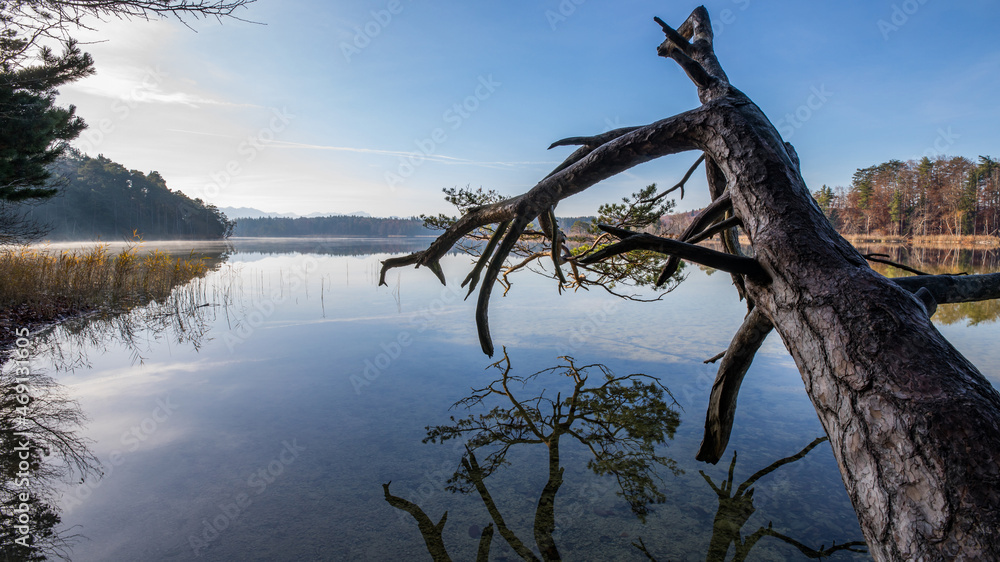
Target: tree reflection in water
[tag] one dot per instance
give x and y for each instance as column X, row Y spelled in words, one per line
column 946, row 259
column 184, row 318
column 735, row 508
column 619, row 419
column 39, row 450
column 45, row 429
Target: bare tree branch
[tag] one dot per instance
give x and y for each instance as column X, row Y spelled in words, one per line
column 882, row 258
column 705, row 256
column 679, row 185
column 896, row 399
column 713, row 212
column 722, row 404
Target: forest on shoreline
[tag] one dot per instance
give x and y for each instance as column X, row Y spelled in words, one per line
column 952, row 198
column 100, row 199
column 337, row 225
column 942, row 196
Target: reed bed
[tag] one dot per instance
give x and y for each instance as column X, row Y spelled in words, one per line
column 40, row 284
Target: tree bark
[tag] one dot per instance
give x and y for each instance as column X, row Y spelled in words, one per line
column 915, row 428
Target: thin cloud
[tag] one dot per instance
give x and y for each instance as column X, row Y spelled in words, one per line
column 134, row 85
column 404, row 154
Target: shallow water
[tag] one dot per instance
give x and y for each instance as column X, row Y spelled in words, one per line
column 263, row 426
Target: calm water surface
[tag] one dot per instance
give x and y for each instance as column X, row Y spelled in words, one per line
column 263, row 426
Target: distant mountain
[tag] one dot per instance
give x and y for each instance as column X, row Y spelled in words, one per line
column 315, row 215
column 251, row 213
column 245, row 213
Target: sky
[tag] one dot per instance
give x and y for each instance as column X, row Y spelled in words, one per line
column 377, row 105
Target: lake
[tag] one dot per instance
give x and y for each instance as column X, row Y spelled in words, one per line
column 264, row 425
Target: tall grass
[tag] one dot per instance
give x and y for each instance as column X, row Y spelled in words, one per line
column 49, row 284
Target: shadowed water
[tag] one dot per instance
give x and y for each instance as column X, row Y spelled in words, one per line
column 264, row 425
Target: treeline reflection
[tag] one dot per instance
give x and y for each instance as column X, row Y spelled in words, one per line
column 344, row 246
column 40, row 450
column 946, row 259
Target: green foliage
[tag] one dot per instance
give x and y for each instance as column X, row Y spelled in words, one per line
column 640, row 211
column 861, row 185
column 464, row 200
column 103, row 199
column 647, row 420
column 897, row 212
column 824, row 198
column 34, row 132
column 621, row 421
column 980, row 195
column 930, row 196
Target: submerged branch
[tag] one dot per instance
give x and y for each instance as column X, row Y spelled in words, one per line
column 882, row 258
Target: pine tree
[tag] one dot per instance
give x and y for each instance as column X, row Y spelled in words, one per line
column 34, row 131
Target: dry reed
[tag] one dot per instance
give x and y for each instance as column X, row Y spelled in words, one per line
column 48, row 285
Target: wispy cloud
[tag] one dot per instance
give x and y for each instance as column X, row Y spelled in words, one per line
column 399, row 153
column 445, row 159
column 135, row 85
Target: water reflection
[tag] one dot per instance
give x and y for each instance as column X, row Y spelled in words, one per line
column 735, row 509
column 936, row 260
column 330, row 246
column 946, row 259
column 182, row 318
column 620, row 420
column 290, row 375
column 39, row 450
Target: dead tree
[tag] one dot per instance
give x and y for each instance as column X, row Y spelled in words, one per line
column 914, row 426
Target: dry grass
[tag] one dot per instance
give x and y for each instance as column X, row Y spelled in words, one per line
column 47, row 285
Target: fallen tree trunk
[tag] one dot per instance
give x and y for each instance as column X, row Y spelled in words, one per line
column 915, row 428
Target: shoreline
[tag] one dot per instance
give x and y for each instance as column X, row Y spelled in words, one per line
column 17, row 318
column 44, row 288
column 979, row 241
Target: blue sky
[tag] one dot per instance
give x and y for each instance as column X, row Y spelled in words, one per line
column 377, row 105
